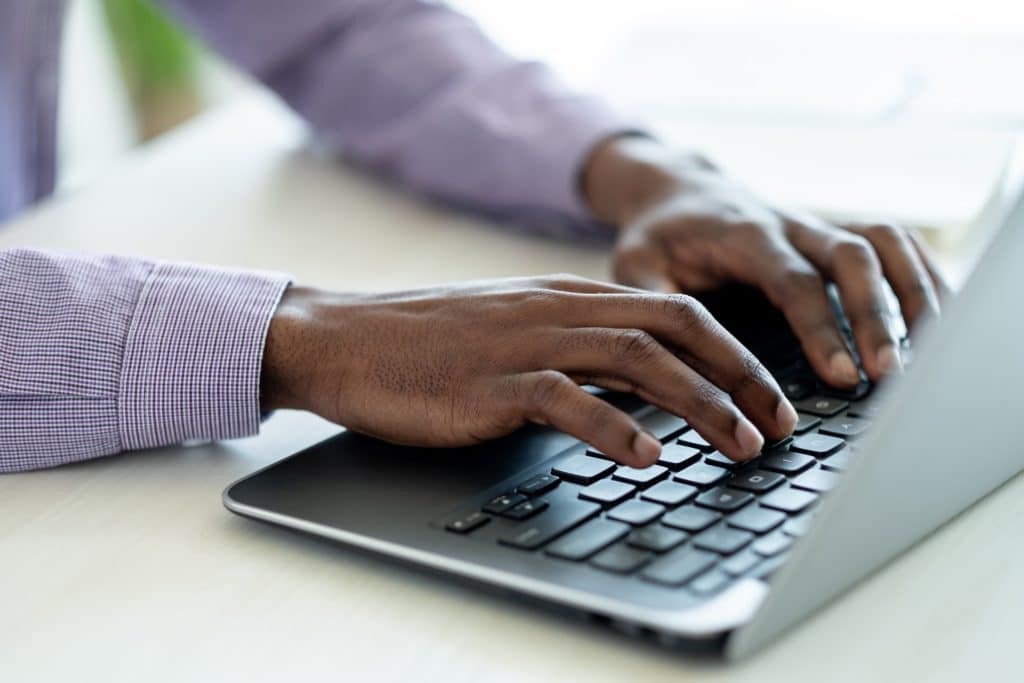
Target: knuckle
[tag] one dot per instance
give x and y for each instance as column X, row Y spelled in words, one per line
column 883, row 232
column 560, row 281
column 547, row 388
column 752, row 372
column 796, row 282
column 853, row 249
column 634, row 346
column 686, row 310
column 705, row 399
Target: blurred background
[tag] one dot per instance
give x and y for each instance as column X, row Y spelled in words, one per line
column 922, row 94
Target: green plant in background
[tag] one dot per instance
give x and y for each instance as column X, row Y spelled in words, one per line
column 160, row 65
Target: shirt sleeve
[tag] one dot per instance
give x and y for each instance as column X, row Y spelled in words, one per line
column 102, row 354
column 416, row 90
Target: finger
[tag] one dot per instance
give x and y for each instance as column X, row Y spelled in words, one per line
column 644, row 266
column 942, row 287
column 550, row 397
column 851, row 262
column 903, row 268
column 678, row 385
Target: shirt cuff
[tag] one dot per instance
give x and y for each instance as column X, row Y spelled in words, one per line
column 192, row 359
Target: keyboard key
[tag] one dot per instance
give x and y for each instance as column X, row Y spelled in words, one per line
column 818, row 445
column 695, row 440
column 466, row 523
column 757, row 519
column 845, row 427
column 669, row 493
column 538, row 484
column 657, row 538
column 723, row 499
column 664, row 425
column 838, row 462
column 607, row 491
column 866, row 410
column 679, row 566
column 755, row 480
column 642, row 478
column 503, row 502
column 719, row 460
column 796, row 388
column 583, row 542
column 636, row 512
column 621, row 559
column 709, row 582
column 805, row 423
column 722, row 539
column 676, row 456
column 740, row 563
column 788, row 500
column 822, row 406
column 787, row 463
column 816, row 480
column 701, row 474
column 857, row 393
column 768, row 567
column 690, row 518
column 550, row 524
column 773, row 544
column 526, row 509
column 583, row 469
column 798, row 526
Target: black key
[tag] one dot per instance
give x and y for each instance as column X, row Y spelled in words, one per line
column 657, row 538
column 719, row 460
column 636, row 512
column 857, row 393
column 641, row 478
column 787, row 462
column 822, row 406
column 838, row 462
column 550, row 524
column 755, row 480
column 581, row 543
column 466, row 523
column 798, row 526
column 621, row 559
column 740, row 563
column 722, row 539
column 818, row 445
column 669, row 493
column 757, row 519
column 701, row 474
column 583, row 469
column 709, row 582
column 679, row 566
column 607, row 491
column 664, row 425
column 816, row 480
column 695, row 440
column 690, row 518
column 773, row 544
column 867, row 410
column 787, row 500
column 538, row 484
column 675, row 456
column 805, row 423
column 526, row 509
column 845, row 427
column 503, row 502
column 796, row 388
column 723, row 499
column 780, row 445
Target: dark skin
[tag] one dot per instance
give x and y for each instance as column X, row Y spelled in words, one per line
column 457, row 365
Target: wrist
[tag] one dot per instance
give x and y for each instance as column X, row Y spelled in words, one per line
column 628, row 174
column 281, row 376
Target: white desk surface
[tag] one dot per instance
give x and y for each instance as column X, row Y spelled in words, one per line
column 128, row 568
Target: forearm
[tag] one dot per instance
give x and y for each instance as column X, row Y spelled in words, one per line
column 103, row 354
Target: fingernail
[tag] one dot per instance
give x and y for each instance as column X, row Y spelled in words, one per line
column 842, row 368
column 786, row 417
column 888, row 359
column 749, row 439
column 646, row 447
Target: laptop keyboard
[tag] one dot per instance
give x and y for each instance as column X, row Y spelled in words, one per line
column 695, row 520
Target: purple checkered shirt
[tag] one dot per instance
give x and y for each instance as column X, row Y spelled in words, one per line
column 102, row 354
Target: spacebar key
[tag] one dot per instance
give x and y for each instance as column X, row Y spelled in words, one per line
column 550, row 524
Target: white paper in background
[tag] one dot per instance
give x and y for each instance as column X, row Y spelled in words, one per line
column 927, row 177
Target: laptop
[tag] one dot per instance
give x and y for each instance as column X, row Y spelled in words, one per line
column 696, row 552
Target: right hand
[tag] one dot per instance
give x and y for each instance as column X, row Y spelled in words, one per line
column 458, row 365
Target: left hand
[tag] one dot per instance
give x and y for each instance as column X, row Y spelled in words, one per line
column 686, row 227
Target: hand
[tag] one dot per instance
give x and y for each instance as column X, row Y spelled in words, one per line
column 685, row 227
column 457, row 365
